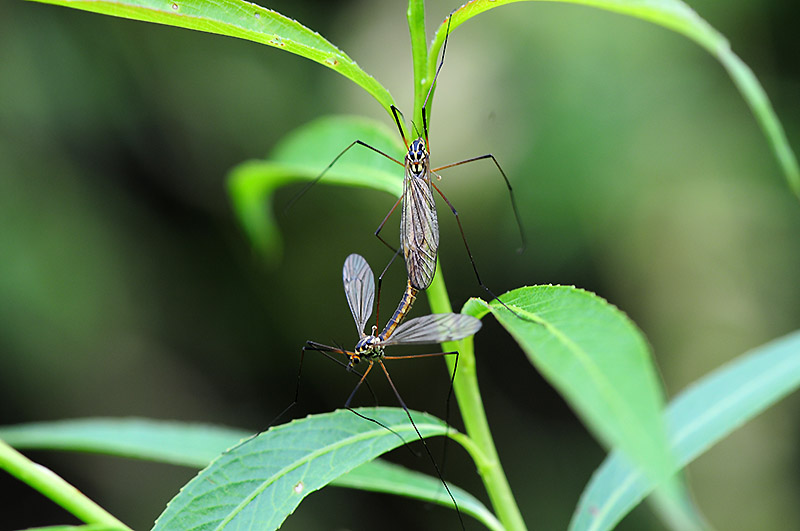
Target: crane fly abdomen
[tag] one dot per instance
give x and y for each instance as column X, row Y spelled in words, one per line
column 409, row 296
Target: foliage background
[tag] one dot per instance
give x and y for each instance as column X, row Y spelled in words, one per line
column 126, row 287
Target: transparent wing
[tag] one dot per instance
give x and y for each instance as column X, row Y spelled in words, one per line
column 419, row 231
column 434, row 328
column 359, row 288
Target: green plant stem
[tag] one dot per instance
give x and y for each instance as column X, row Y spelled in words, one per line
column 48, row 483
column 419, row 54
column 479, row 442
column 470, row 405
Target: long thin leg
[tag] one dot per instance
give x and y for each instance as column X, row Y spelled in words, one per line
column 326, row 351
column 449, row 392
column 385, row 219
column 316, row 347
column 452, row 377
column 433, row 84
column 469, row 253
column 395, row 251
column 382, row 425
column 418, row 356
column 328, row 167
column 508, row 185
column 395, row 113
column 385, row 427
column 447, row 413
column 353, row 393
column 380, row 282
column 424, row 444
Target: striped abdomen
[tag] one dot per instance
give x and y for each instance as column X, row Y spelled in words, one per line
column 409, row 296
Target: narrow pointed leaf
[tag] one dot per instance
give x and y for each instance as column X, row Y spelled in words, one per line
column 177, row 443
column 302, row 156
column 243, row 20
column 679, row 17
column 597, row 359
column 699, row 417
column 600, row 362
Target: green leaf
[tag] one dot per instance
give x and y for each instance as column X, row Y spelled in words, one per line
column 699, row 417
column 256, row 485
column 177, row 443
column 679, row 17
column 597, row 359
column 196, row 445
column 243, row 20
column 302, row 156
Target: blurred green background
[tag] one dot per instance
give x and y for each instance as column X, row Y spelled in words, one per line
column 127, row 289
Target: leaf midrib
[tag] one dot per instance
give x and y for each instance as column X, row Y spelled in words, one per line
column 353, row 439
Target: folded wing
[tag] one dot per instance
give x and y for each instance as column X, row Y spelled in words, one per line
column 434, row 328
column 419, row 231
column 359, row 289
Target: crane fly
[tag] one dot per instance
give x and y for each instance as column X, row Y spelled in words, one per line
column 419, row 225
column 359, row 290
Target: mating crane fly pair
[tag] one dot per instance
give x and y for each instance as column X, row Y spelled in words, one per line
column 419, row 235
column 359, row 290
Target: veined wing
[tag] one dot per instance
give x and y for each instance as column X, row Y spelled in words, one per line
column 434, row 328
column 359, row 289
column 419, row 231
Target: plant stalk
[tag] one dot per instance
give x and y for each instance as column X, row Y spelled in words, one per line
column 465, row 385
column 470, row 404
column 419, row 54
column 54, row 487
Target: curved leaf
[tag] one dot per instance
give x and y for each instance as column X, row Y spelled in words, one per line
column 679, row 17
column 597, row 359
column 196, row 445
column 302, row 156
column 243, row 20
column 699, row 417
column 260, row 482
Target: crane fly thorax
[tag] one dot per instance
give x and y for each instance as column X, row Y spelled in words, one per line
column 417, row 159
column 369, row 347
